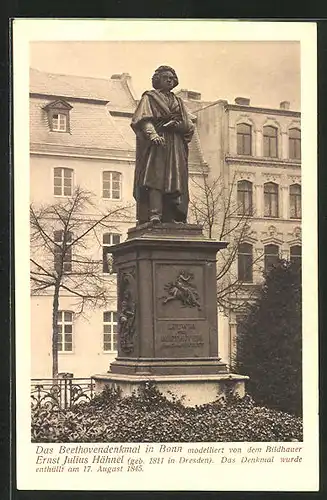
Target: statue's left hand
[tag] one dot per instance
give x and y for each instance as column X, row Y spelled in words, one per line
column 171, row 124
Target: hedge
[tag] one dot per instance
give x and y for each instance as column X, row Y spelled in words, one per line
column 148, row 416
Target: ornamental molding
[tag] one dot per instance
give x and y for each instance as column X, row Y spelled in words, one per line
column 263, row 161
column 272, row 240
column 271, row 121
column 294, row 124
column 295, row 236
column 249, row 235
column 82, row 151
column 252, row 238
column 58, row 104
column 272, row 236
column 247, row 119
column 256, row 109
column 270, row 177
column 295, row 179
column 294, row 241
column 249, row 176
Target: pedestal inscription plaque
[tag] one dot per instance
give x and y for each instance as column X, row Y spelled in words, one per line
column 180, row 339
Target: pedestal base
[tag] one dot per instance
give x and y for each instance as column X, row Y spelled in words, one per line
column 167, row 366
column 195, row 390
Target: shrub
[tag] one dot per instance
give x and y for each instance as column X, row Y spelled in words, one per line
column 269, row 347
column 150, row 417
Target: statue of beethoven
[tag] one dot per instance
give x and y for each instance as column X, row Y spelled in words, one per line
column 163, row 129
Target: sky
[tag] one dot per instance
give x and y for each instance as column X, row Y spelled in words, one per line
column 265, row 72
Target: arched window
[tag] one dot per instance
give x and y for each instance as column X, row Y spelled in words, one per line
column 294, row 141
column 271, row 256
column 245, row 260
column 295, row 201
column 270, row 192
column 111, row 185
column 62, row 181
column 244, row 198
column 270, row 141
column 243, row 139
column 296, row 255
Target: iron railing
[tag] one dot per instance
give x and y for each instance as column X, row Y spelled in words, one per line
column 61, row 393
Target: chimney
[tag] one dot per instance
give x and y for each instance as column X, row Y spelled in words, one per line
column 189, row 94
column 285, row 105
column 196, row 96
column 182, row 93
column 242, row 101
column 121, row 76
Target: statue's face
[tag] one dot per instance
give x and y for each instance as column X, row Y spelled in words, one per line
column 167, row 80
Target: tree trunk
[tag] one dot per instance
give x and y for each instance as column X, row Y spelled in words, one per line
column 55, row 308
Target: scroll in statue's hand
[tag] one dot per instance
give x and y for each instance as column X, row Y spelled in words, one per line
column 171, row 124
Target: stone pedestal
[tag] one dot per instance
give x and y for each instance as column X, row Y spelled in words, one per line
column 167, row 310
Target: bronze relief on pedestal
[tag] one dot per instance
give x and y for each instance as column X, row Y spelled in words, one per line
column 183, row 290
column 126, row 310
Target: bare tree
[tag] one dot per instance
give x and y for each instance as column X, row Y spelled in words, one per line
column 213, row 205
column 65, row 238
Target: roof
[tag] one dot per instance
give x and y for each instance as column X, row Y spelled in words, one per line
column 91, row 126
column 109, row 90
column 91, row 123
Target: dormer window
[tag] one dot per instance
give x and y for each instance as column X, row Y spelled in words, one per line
column 58, row 116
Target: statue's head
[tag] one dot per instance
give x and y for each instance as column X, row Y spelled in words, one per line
column 164, row 78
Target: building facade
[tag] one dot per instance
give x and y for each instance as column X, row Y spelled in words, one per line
column 257, row 153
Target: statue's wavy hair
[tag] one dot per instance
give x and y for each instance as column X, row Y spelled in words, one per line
column 158, row 71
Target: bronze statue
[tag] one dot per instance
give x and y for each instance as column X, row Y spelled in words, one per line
column 163, row 129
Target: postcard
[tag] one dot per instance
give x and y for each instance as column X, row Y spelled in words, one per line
column 166, row 255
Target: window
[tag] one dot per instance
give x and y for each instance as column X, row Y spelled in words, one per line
column 270, row 142
column 59, row 122
column 296, row 255
column 295, row 201
column 108, row 239
column 270, row 193
column 58, row 116
column 63, row 181
column 111, row 185
column 62, row 251
column 110, row 331
column 294, row 141
column 271, row 256
column 245, row 259
column 65, row 331
column 244, row 198
column 243, row 139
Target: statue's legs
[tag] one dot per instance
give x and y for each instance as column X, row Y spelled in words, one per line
column 171, row 212
column 155, row 204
